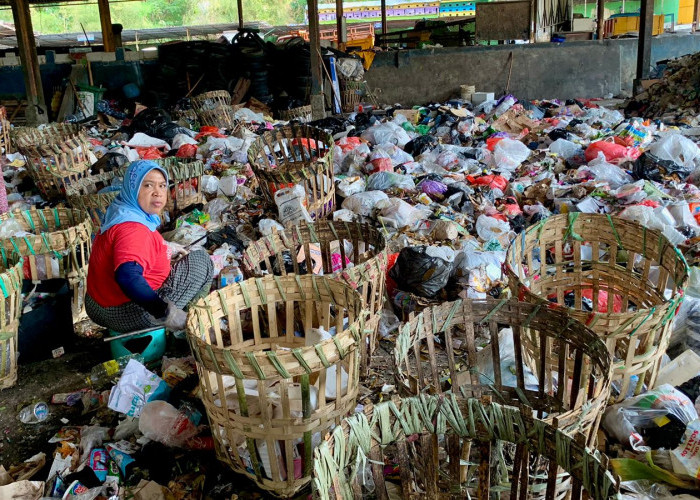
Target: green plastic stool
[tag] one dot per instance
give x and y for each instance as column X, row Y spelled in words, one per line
column 136, row 344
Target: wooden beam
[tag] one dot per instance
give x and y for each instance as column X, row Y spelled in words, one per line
column 339, row 23
column 601, row 20
column 240, row 15
column 384, row 26
column 106, row 24
column 36, row 111
column 646, row 25
column 317, row 98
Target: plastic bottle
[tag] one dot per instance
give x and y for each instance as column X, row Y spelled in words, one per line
column 34, row 413
column 104, row 373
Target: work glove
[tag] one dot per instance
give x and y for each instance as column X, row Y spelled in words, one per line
column 175, row 318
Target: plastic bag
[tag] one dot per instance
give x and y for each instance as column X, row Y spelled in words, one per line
column 135, row 388
column 363, row 203
column 653, row 168
column 382, row 181
column 268, row 226
column 491, row 228
column 656, row 419
column 291, row 205
column 351, row 185
column 418, row 272
column 388, row 132
column 653, row 218
column 607, row 172
column 509, row 155
column 566, row 149
column 397, row 213
column 160, row 421
column 613, row 152
column 676, row 148
column 210, row 184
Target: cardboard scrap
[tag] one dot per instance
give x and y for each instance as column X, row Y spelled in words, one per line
column 150, row 490
column 514, row 122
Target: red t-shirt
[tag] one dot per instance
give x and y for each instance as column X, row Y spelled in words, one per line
column 125, row 242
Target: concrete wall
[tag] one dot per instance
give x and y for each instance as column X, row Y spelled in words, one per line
column 569, row 70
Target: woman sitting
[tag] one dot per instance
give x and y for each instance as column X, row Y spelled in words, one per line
column 131, row 284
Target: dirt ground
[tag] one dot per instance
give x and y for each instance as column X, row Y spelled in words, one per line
column 39, row 381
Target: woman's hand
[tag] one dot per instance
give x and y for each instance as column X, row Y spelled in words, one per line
column 175, row 318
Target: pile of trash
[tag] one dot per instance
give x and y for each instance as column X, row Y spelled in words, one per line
column 675, row 96
column 448, row 184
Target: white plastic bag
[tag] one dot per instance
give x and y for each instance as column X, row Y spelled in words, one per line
column 676, row 148
column 351, row 185
column 490, row 228
column 135, row 388
column 290, row 203
column 509, row 155
column 210, row 184
column 566, row 149
column 363, row 203
column 607, row 172
column 397, row 213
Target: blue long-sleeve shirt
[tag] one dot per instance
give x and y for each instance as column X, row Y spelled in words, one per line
column 129, row 277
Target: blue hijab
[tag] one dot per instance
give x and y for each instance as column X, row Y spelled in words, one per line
column 125, row 207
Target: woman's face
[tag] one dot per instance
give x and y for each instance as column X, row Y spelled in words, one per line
column 153, row 192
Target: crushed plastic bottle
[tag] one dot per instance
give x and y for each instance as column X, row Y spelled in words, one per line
column 34, row 413
column 104, row 373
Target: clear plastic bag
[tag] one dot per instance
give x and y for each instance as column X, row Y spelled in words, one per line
column 676, row 148
column 509, row 155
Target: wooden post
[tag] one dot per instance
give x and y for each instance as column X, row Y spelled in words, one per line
column 318, row 107
column 106, row 24
column 601, row 20
column 384, row 26
column 339, row 24
column 240, row 15
column 36, row 112
column 646, row 25
column 696, row 15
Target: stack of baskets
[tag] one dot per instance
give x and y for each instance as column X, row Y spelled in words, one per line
column 214, row 109
column 273, row 382
column 4, row 131
column 296, row 154
column 449, row 448
column 351, row 252
column 58, row 248
column 84, row 194
column 10, row 312
column 623, row 281
column 57, row 156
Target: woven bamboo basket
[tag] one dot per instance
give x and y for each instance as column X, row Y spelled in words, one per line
column 57, row 156
column 448, row 448
column 210, row 100
column 349, row 99
column 222, row 117
column 185, row 178
column 302, row 114
column 10, row 312
column 270, row 396
column 471, row 353
column 84, row 195
column 296, row 154
column 363, row 267
column 4, row 131
column 591, row 258
column 58, row 248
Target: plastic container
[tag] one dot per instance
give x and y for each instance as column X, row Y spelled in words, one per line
column 105, row 372
column 34, row 413
column 139, row 344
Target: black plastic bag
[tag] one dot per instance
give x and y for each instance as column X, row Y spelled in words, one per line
column 652, row 168
column 417, row 272
column 420, row 145
column 108, row 162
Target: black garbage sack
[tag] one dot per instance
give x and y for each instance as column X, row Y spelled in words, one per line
column 108, row 162
column 225, row 235
column 420, row 145
column 157, row 123
column 418, row 272
column 652, row 168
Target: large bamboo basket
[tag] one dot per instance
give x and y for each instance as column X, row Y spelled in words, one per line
column 296, row 154
column 619, row 260
column 57, row 156
column 10, row 312
column 185, row 179
column 58, row 248
column 368, row 259
column 448, row 448
column 443, row 349
column 84, row 195
column 4, row 131
column 210, row 100
column 265, row 350
column 214, row 109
